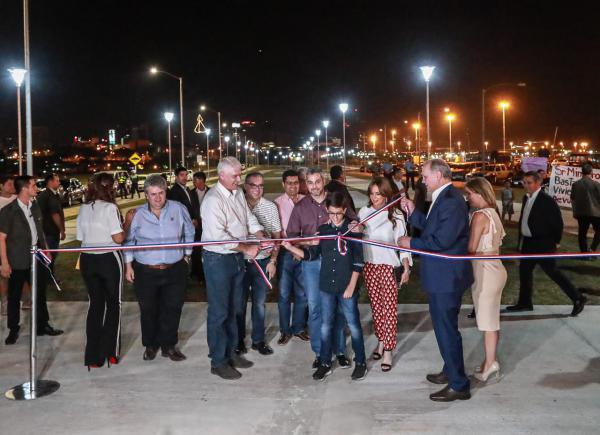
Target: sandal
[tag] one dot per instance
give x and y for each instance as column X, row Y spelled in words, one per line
column 385, row 367
column 376, row 355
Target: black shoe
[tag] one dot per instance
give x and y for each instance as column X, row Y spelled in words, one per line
column 316, row 363
column 578, row 306
column 360, row 372
column 12, row 336
column 49, row 330
column 321, row 373
column 241, row 349
column 519, row 307
column 150, row 353
column 262, row 348
column 343, row 362
column 472, row 314
column 173, row 353
column 437, row 378
column 239, row 362
column 447, row 394
column 303, row 336
column 226, row 372
column 284, row 339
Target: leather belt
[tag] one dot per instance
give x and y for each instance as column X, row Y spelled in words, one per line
column 162, row 266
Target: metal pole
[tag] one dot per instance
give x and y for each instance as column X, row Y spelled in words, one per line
column 207, row 157
column 181, row 120
column 19, row 130
column 35, row 387
column 503, row 129
column 427, row 110
column 220, row 143
column 483, row 118
column 326, row 152
column 385, row 138
column 450, row 133
column 344, row 136
column 169, row 134
column 28, row 125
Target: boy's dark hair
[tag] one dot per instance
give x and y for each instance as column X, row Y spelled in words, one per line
column 289, row 173
column 534, row 174
column 336, row 172
column 587, row 169
column 251, row 175
column 179, row 170
column 336, row 199
column 200, row 175
column 5, row 178
column 49, row 177
column 21, row 182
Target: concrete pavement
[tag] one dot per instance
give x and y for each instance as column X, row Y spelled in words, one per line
column 551, row 382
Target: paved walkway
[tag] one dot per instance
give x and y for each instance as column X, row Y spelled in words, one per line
column 551, row 382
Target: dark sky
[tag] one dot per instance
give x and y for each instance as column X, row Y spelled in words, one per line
column 291, row 63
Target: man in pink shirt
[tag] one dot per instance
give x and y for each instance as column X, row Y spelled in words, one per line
column 290, row 270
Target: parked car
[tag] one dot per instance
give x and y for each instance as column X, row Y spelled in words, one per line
column 494, row 172
column 70, row 190
column 460, row 170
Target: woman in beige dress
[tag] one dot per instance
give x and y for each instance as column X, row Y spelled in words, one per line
column 486, row 237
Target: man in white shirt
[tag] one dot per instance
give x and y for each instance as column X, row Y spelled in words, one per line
column 226, row 216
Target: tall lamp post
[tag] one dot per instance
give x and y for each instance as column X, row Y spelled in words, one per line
column 503, row 106
column 318, row 134
column 450, row 117
column 169, row 118
column 343, row 109
column 207, row 132
column 417, row 127
column 18, row 75
column 483, row 92
column 427, row 72
column 374, row 140
column 155, row 71
column 202, row 109
column 326, row 126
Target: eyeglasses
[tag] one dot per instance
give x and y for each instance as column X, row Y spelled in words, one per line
column 331, row 213
column 256, row 186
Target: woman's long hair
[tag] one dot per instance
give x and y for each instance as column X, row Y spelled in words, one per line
column 385, row 188
column 102, row 188
column 484, row 188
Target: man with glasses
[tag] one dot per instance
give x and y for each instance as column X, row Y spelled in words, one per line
column 290, row 270
column 308, row 215
column 254, row 284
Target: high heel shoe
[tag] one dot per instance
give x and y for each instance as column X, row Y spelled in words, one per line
column 385, row 367
column 114, row 360
column 94, row 366
column 493, row 370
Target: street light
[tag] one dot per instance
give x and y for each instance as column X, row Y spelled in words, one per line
column 427, row 72
column 18, row 75
column 155, row 71
column 227, row 139
column 207, row 132
column 202, row 109
column 318, row 133
column 374, row 140
column 326, row 126
column 417, row 127
column 483, row 92
column 169, row 118
column 450, row 117
column 504, row 105
column 344, row 108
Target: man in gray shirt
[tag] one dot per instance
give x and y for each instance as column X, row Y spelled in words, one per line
column 585, row 199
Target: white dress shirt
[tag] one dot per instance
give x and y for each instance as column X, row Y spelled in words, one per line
column 29, row 216
column 226, row 216
column 97, row 223
column 380, row 228
column 525, row 212
column 435, row 195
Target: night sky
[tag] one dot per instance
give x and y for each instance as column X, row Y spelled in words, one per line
column 291, row 63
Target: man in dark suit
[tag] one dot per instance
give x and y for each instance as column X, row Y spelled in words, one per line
column 585, row 199
column 20, row 229
column 337, row 184
column 444, row 230
column 540, row 231
column 180, row 193
column 197, row 196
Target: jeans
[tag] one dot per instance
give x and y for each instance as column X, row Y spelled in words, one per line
column 254, row 285
column 290, row 282
column 311, row 271
column 330, row 306
column 224, row 289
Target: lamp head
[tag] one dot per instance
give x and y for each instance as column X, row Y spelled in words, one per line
column 343, row 107
column 325, row 123
column 202, row 108
column 169, row 116
column 207, row 131
column 504, row 105
column 427, row 72
column 318, row 132
column 18, row 75
column 153, row 70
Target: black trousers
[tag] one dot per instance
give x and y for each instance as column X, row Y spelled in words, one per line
column 584, row 224
column 160, row 294
column 549, row 267
column 103, row 277
column 197, row 269
column 15, row 290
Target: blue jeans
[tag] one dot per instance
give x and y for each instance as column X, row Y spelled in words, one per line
column 310, row 272
column 290, row 281
column 330, row 306
column 253, row 284
column 224, row 289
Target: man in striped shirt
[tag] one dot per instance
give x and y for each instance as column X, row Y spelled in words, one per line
column 254, row 283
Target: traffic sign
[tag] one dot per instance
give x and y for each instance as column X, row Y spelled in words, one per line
column 135, row 158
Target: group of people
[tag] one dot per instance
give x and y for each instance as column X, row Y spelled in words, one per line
column 318, row 277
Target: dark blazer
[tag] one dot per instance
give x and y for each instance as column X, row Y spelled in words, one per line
column 446, row 231
column 545, row 223
column 336, row 186
column 178, row 193
column 14, row 224
column 585, row 198
column 196, row 209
